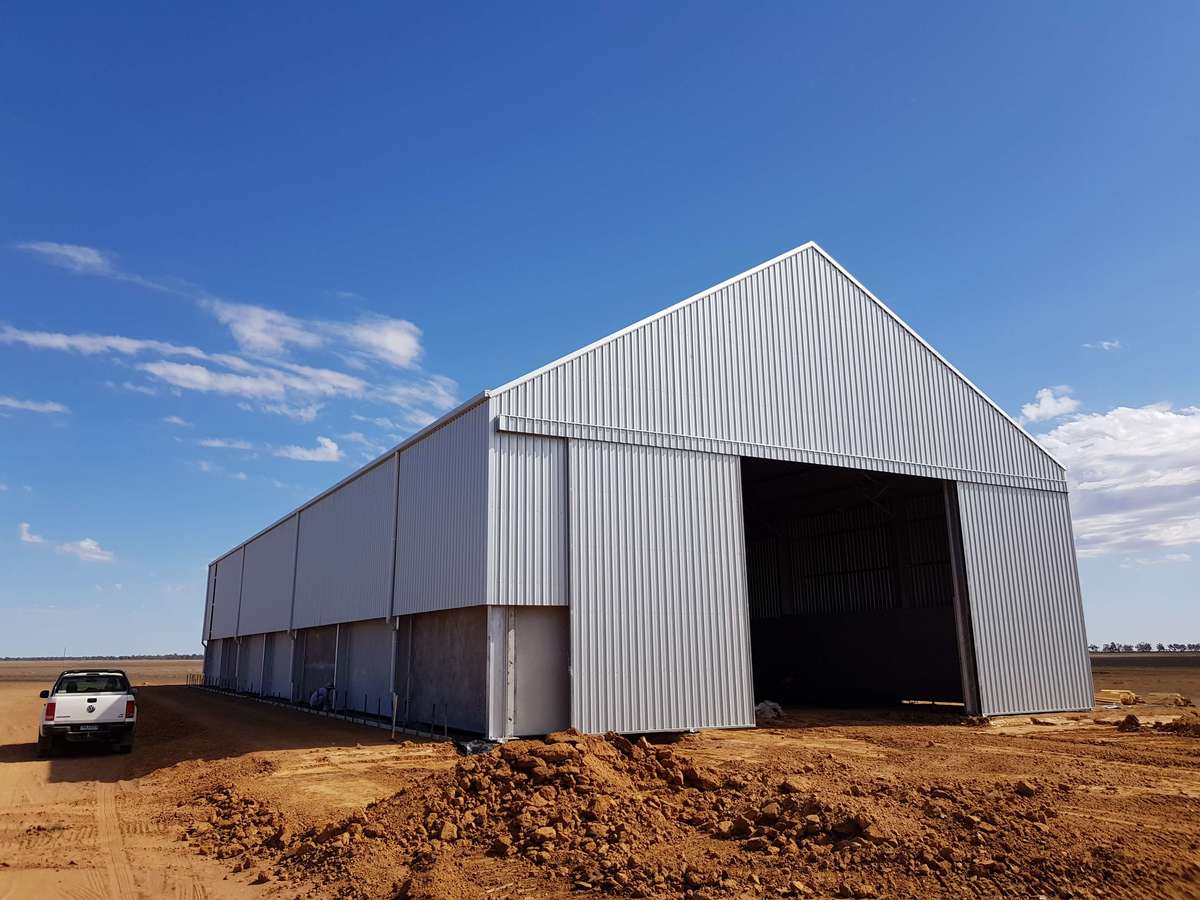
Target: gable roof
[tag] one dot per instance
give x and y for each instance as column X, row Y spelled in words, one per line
column 708, row 292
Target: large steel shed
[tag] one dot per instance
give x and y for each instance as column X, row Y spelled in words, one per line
column 772, row 489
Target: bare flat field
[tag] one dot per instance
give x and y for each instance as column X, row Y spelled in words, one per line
column 227, row 797
column 140, row 671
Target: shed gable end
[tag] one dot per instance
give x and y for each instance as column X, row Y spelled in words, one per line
column 792, row 356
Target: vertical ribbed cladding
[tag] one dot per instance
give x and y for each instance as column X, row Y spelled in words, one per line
column 227, row 592
column 529, row 520
column 1026, row 607
column 441, row 547
column 267, row 580
column 344, row 561
column 659, row 620
column 206, row 633
column 794, row 355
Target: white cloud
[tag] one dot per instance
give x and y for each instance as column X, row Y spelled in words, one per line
column 226, row 444
column 192, row 377
column 306, row 413
column 325, row 451
column 37, row 406
column 357, row 437
column 259, row 382
column 176, row 420
column 92, row 344
column 76, row 257
column 134, row 388
column 1049, row 403
column 1103, row 345
column 28, row 536
column 87, row 550
column 394, row 341
column 1166, row 559
column 381, row 421
column 1134, row 473
column 260, row 330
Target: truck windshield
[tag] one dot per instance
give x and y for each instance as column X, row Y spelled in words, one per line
column 91, row 683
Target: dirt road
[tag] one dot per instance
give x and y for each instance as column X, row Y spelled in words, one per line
column 227, row 797
column 89, row 824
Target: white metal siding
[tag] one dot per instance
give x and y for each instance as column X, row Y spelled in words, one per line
column 659, row 618
column 267, row 581
column 344, row 563
column 227, row 592
column 529, row 520
column 793, row 357
column 1026, row 607
column 441, row 552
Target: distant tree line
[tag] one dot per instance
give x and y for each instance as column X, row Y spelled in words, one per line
column 1144, row 647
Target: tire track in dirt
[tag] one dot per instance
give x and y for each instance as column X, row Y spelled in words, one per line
column 108, row 826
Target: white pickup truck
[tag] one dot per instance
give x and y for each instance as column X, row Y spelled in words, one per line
column 88, row 705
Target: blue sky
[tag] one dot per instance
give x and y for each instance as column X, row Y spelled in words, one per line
column 301, row 233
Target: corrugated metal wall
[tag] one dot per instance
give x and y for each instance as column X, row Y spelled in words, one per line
column 529, row 520
column 441, row 552
column 267, row 581
column 344, row 564
column 1026, row 607
column 659, row 624
column 794, row 356
column 227, row 593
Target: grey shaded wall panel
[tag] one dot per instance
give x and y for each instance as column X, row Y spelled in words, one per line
column 267, row 581
column 251, row 656
column 659, row 618
column 212, row 660
column 344, row 566
column 1026, row 608
column 795, row 356
column 541, row 690
column 277, row 681
column 529, row 520
column 227, row 592
column 441, row 552
column 447, row 678
column 365, row 657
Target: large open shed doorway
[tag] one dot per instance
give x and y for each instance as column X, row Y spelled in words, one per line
column 853, row 581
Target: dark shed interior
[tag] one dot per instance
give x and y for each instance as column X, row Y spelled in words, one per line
column 851, row 585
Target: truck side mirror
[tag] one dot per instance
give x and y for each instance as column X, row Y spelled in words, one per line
column 44, row 694
column 133, row 690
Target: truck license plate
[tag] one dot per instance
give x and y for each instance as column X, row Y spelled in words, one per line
column 89, row 727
